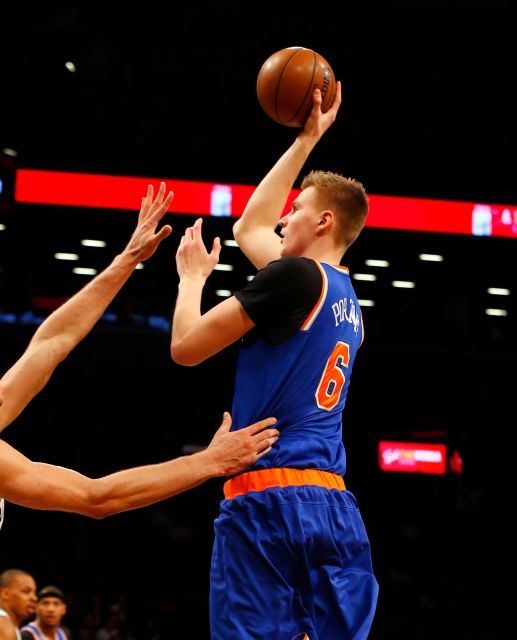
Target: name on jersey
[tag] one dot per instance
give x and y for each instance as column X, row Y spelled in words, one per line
column 345, row 311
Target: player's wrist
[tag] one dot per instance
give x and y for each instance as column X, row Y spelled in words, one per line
column 209, row 463
column 307, row 141
column 191, row 280
column 127, row 260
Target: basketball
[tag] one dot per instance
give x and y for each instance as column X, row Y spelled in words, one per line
column 286, row 82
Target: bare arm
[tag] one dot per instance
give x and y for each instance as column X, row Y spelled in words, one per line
column 43, row 486
column 255, row 229
column 7, row 629
column 196, row 337
column 69, row 324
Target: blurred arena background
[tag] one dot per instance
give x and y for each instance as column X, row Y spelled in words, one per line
column 168, row 92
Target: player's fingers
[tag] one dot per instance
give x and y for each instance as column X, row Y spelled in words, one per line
column 216, row 248
column 164, row 206
column 179, row 250
column 146, row 202
column 226, row 424
column 337, row 97
column 155, row 205
column 267, row 434
column 260, row 426
column 261, row 453
column 196, row 229
column 149, row 195
column 161, row 193
column 164, row 232
column 266, row 443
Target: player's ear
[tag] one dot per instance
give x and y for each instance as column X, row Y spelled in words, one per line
column 326, row 219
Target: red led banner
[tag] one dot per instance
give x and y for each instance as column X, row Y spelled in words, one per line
column 412, row 457
column 207, row 198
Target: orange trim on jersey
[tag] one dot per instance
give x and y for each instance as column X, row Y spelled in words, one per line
column 267, row 478
column 340, row 267
column 317, row 307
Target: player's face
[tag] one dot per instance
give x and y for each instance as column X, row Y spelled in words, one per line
column 22, row 597
column 50, row 611
column 299, row 227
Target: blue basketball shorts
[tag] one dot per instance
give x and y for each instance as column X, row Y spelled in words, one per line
column 289, row 562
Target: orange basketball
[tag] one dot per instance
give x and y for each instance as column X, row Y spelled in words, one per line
column 286, row 82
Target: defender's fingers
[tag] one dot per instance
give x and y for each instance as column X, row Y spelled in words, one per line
column 157, row 212
column 164, row 232
column 267, row 434
column 260, row 426
column 261, row 453
column 226, row 424
column 161, row 193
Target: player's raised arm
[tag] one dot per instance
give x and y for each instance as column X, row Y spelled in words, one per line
column 69, row 324
column 196, row 337
column 254, row 231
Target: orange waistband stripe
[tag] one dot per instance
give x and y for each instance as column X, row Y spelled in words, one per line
column 266, row 478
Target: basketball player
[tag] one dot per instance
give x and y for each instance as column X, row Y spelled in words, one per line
column 43, row 486
column 50, row 610
column 17, row 602
column 291, row 556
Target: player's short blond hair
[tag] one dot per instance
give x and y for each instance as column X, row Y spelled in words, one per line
column 346, row 197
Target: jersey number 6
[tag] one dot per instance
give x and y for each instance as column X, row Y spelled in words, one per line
column 333, row 378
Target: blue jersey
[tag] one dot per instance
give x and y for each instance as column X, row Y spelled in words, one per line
column 34, row 631
column 303, row 381
column 291, row 556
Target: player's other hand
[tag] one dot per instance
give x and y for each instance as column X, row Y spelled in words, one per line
column 192, row 258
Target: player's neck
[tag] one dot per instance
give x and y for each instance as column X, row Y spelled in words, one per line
column 324, row 249
column 324, row 254
column 49, row 631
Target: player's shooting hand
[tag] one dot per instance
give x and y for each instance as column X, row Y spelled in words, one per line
column 234, row 451
column 192, row 258
column 318, row 122
column 145, row 238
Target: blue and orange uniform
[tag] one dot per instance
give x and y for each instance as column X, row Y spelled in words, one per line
column 291, row 556
column 33, row 631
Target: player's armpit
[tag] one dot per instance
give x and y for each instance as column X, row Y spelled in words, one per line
column 261, row 245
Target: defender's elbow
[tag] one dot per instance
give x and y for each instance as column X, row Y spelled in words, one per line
column 97, row 512
column 99, row 503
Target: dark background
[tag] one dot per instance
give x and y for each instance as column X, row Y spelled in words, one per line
column 169, row 92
